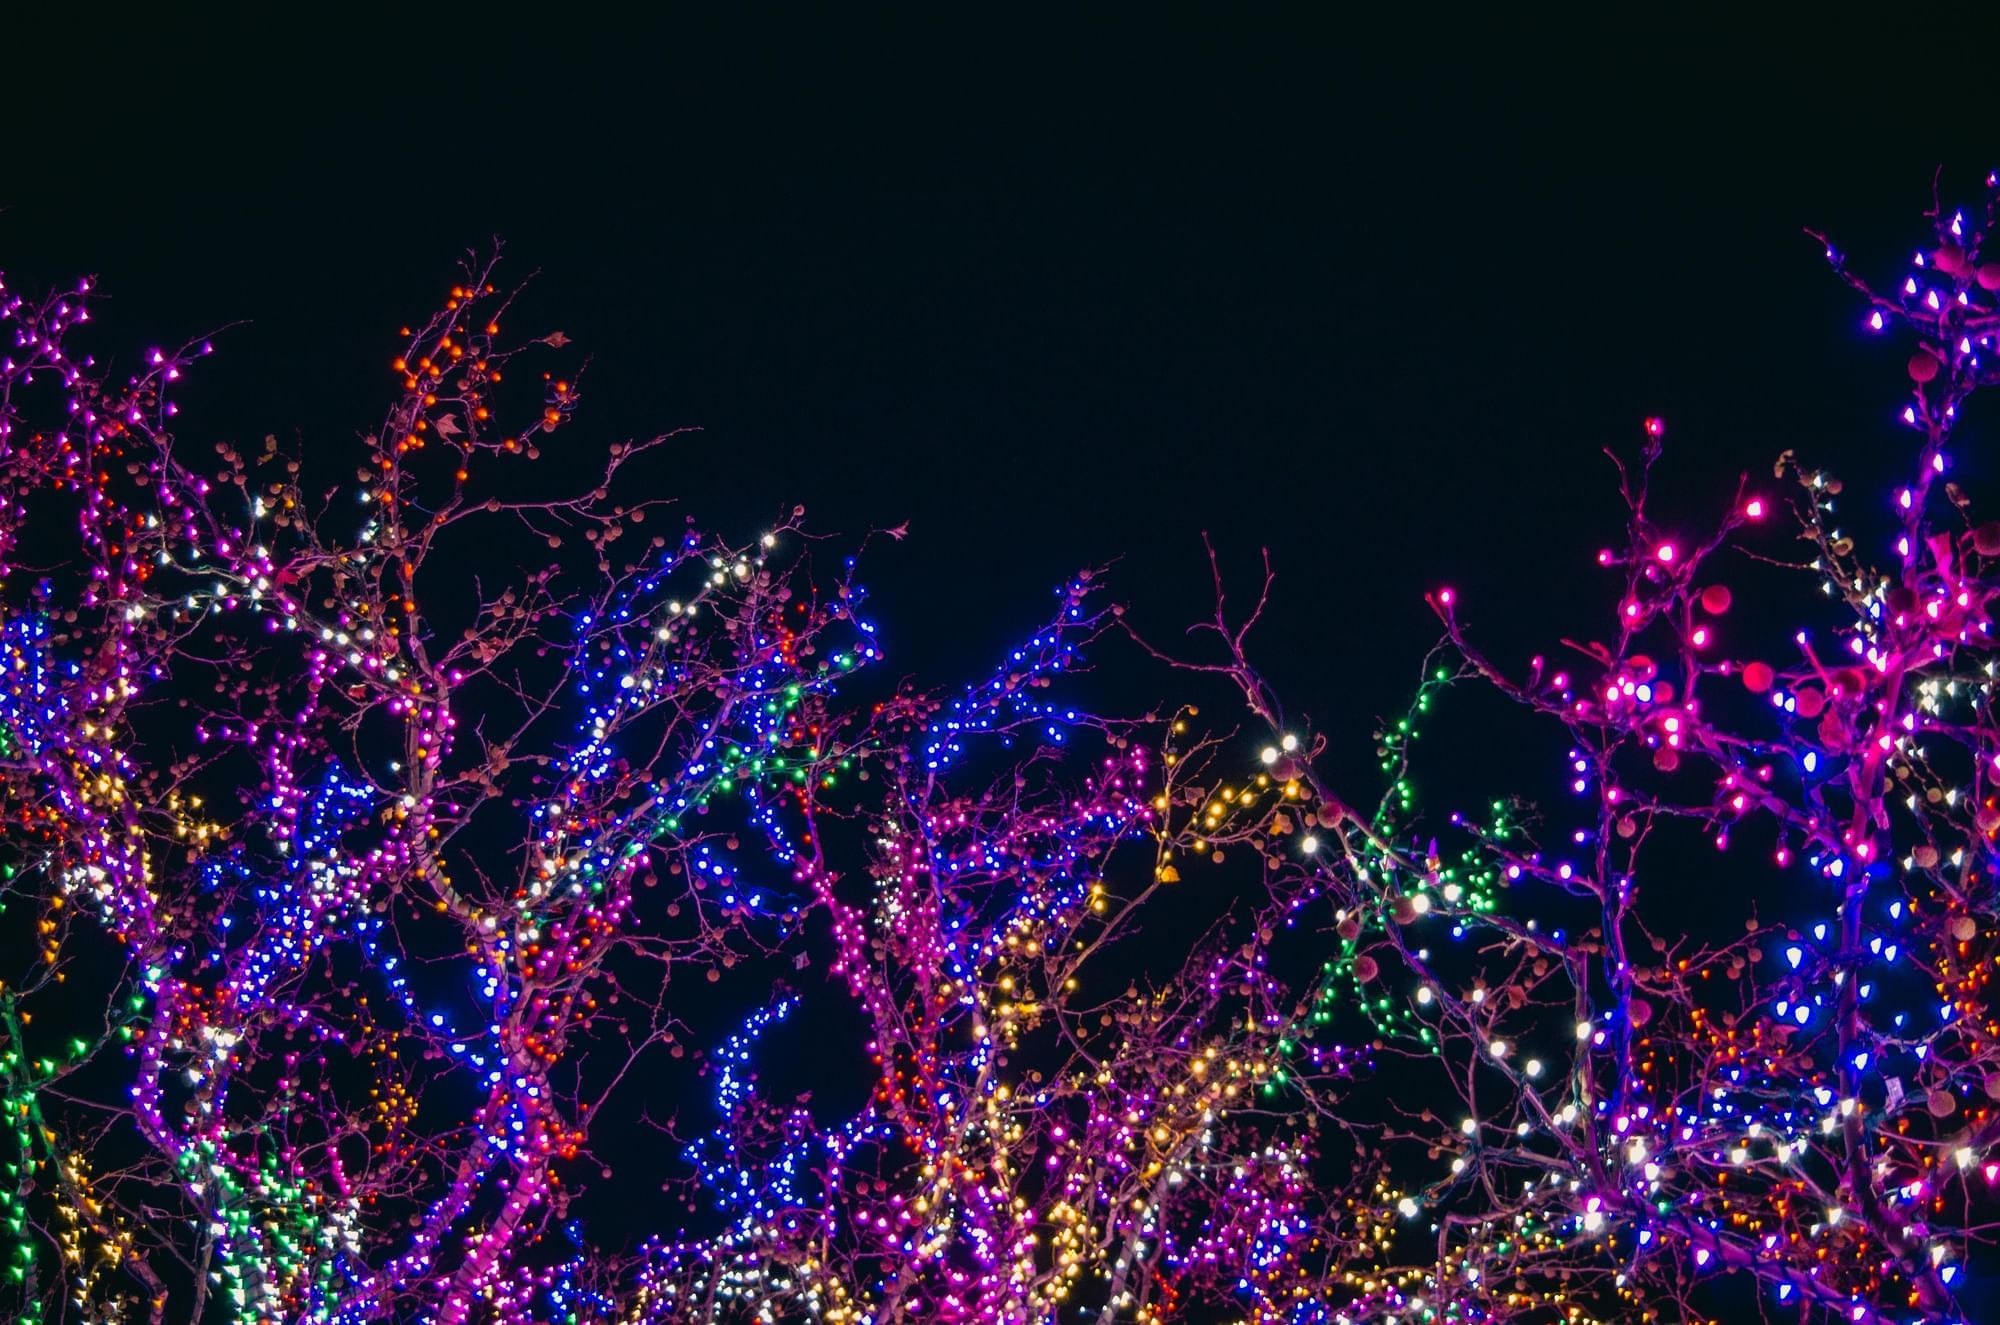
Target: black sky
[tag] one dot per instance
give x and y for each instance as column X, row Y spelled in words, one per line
column 1053, row 291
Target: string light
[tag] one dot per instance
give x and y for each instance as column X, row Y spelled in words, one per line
column 406, row 883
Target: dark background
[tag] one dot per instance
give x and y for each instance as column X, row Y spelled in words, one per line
column 1054, row 292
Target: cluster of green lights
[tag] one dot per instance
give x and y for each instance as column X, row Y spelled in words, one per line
column 745, row 766
column 20, row 1099
column 1393, row 748
column 19, row 1103
column 1466, row 887
column 269, row 1231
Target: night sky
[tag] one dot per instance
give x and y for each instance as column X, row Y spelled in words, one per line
column 1051, row 294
